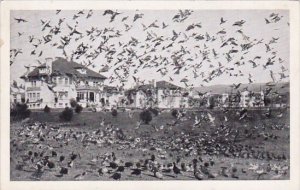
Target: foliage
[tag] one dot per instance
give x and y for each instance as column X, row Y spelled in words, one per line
column 73, row 103
column 66, row 114
column 267, row 101
column 47, row 109
column 146, row 116
column 154, row 111
column 174, row 113
column 114, row 112
column 20, row 111
column 78, row 108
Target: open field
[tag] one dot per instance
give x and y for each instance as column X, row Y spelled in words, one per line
column 255, row 146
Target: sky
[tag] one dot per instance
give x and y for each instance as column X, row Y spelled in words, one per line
column 186, row 57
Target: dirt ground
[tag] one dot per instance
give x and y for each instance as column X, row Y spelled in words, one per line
column 252, row 147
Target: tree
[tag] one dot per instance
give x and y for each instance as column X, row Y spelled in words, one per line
column 78, row 108
column 47, row 109
column 66, row 114
column 20, row 111
column 15, row 84
column 154, row 111
column 146, row 116
column 174, row 113
column 114, row 112
column 73, row 103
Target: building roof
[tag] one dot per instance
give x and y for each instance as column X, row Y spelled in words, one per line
column 159, row 85
column 14, row 90
column 166, row 85
column 110, row 89
column 62, row 66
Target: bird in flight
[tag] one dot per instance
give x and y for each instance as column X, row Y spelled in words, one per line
column 19, row 20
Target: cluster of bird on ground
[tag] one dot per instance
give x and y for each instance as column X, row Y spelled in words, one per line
column 124, row 55
column 51, row 151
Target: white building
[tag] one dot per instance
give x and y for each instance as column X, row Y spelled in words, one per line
column 17, row 95
column 56, row 82
column 159, row 94
column 252, row 99
column 170, row 96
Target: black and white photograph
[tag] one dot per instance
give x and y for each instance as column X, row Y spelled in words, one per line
column 132, row 94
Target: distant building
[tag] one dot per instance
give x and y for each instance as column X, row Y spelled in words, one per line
column 252, row 99
column 161, row 94
column 171, row 96
column 111, row 97
column 56, row 82
column 17, row 95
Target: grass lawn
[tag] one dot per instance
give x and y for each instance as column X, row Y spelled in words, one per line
column 169, row 142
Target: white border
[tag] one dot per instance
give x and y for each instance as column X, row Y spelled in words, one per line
column 292, row 6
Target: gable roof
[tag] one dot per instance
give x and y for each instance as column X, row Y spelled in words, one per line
column 62, row 66
column 159, row 85
column 166, row 85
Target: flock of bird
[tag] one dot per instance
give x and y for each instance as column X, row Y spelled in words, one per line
column 58, row 151
column 124, row 54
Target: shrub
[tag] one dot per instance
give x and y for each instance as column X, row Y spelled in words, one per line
column 174, row 113
column 78, row 108
column 20, row 111
column 47, row 109
column 66, row 114
column 73, row 103
column 114, row 112
column 146, row 116
column 154, row 111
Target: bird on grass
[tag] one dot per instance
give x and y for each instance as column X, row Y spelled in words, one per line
column 116, row 176
column 197, row 173
column 80, row 176
column 176, row 170
column 157, row 174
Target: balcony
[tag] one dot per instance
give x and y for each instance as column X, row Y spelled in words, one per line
column 33, row 89
column 86, row 87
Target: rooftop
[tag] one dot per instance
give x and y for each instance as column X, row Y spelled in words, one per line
column 62, row 66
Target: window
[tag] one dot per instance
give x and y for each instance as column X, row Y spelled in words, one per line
column 60, row 80
column 33, row 95
column 80, row 95
column 70, row 80
column 60, row 95
column 38, row 95
column 95, row 83
column 66, row 80
column 33, row 83
column 87, row 82
column 66, row 94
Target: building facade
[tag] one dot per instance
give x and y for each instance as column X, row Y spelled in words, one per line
column 57, row 82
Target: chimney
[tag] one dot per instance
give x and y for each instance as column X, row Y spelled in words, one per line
column 49, row 64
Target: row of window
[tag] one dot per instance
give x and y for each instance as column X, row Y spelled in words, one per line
column 55, row 105
column 61, row 95
column 33, row 95
column 62, row 80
